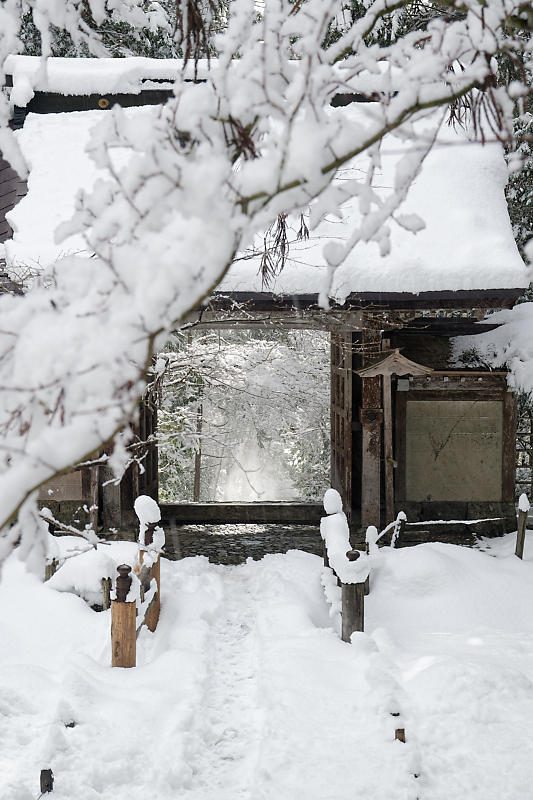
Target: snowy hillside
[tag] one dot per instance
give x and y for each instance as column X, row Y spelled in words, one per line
column 246, row 691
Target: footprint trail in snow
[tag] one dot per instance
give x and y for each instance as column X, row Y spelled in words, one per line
column 223, row 749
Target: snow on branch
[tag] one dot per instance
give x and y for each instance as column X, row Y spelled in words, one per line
column 188, row 185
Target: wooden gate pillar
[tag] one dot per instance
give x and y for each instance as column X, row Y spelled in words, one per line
column 374, row 378
column 371, row 415
column 341, row 416
column 371, row 422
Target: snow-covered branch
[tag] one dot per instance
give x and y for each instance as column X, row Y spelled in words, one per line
column 190, row 184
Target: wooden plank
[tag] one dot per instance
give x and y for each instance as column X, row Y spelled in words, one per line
column 152, row 615
column 434, row 393
column 521, row 533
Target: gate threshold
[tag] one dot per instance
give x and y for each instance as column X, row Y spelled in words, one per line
column 241, row 513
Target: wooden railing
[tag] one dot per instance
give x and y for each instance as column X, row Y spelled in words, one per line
column 127, row 617
column 137, row 600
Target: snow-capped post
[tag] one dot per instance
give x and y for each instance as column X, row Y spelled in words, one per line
column 151, row 541
column 353, row 603
column 523, row 510
column 350, row 566
column 123, row 628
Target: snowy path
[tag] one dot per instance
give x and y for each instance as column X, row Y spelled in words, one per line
column 223, row 748
column 245, row 691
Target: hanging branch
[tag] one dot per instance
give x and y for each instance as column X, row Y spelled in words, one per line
column 193, row 28
column 276, row 250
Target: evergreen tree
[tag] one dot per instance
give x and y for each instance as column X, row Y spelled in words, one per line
column 188, row 32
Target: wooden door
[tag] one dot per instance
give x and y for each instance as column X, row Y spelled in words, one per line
column 341, row 417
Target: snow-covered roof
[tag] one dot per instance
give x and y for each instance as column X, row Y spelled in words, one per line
column 467, row 243
column 108, row 76
column 84, row 76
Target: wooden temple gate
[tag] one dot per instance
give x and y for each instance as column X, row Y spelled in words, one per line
column 408, row 431
column 406, row 434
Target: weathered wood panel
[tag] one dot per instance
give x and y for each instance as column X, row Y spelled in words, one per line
column 454, row 450
column 12, row 188
column 65, row 487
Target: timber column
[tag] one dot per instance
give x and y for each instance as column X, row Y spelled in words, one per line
column 371, row 425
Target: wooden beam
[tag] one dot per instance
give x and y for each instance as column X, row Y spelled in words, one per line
column 291, row 318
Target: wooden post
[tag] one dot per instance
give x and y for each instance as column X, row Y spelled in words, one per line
column 47, row 781
column 371, row 418
column 50, row 569
column 123, row 622
column 152, row 617
column 353, row 609
column 106, row 593
column 387, row 449
column 399, row 735
column 521, row 533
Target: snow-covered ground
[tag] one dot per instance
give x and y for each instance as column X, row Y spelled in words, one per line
column 245, row 690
